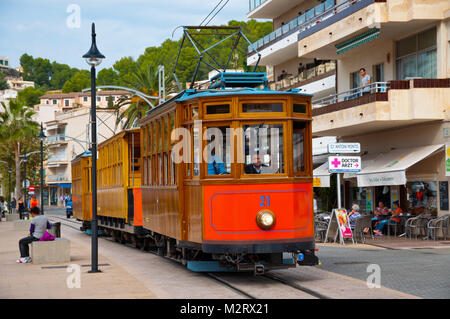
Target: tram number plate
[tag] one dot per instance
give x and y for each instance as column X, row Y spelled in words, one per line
column 265, row 201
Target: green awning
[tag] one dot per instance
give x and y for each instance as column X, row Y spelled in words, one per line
column 358, row 40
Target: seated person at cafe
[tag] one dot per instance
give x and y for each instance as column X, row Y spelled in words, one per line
column 395, row 218
column 381, row 212
column 354, row 215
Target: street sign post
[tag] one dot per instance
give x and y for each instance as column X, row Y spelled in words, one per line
column 340, row 148
column 344, row 164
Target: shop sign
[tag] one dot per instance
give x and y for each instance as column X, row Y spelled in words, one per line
column 447, row 160
column 339, row 225
column 344, row 164
column 381, row 179
column 344, row 148
column 321, row 181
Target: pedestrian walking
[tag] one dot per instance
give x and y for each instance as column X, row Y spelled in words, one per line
column 38, row 227
column 20, row 207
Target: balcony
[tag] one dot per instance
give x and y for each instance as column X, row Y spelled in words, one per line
column 56, row 160
column 58, row 138
column 291, row 30
column 305, row 77
column 269, row 9
column 57, row 178
column 351, row 24
column 380, row 106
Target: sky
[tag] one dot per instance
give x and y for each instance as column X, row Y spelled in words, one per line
column 60, row 30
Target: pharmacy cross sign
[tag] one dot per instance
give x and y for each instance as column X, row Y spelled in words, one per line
column 336, row 163
column 344, row 164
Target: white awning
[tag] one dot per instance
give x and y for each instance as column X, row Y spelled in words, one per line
column 321, row 176
column 384, row 169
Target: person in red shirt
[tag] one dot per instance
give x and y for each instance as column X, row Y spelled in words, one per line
column 34, row 202
column 395, row 218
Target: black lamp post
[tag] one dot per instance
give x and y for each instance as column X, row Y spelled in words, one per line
column 9, row 189
column 94, row 58
column 25, row 160
column 42, row 138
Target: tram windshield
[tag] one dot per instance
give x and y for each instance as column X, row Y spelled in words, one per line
column 263, row 149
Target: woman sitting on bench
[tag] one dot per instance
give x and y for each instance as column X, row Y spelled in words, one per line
column 38, row 226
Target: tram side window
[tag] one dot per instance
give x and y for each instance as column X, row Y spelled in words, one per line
column 299, row 108
column 263, row 149
column 298, row 146
column 196, row 152
column 262, row 107
column 218, row 109
column 218, row 150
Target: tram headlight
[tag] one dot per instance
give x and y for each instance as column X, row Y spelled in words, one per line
column 265, row 219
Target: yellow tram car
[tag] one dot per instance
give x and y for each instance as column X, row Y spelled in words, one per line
column 119, row 207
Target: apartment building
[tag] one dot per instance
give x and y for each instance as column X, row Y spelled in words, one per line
column 401, row 117
column 56, row 102
column 68, row 135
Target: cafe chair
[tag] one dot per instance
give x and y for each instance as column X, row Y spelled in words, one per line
column 360, row 224
column 440, row 223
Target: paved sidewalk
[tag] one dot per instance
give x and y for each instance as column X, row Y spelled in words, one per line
column 49, row 281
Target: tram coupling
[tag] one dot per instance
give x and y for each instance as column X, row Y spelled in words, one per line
column 307, row 258
column 259, row 269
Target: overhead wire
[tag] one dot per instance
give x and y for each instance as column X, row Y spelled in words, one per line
column 217, row 12
column 211, row 12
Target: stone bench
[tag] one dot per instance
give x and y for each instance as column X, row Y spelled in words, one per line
column 47, row 252
column 12, row 217
column 22, row 224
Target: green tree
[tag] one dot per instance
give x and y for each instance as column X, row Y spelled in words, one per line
column 147, row 82
column 33, row 163
column 30, row 96
column 3, row 83
column 125, row 67
column 107, row 77
column 16, row 127
column 78, row 82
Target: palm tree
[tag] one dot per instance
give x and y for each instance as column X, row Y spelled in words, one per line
column 16, row 126
column 132, row 109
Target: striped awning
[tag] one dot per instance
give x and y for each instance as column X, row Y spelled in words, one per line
column 358, row 40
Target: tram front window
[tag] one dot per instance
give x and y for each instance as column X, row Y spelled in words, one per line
column 218, row 150
column 263, row 149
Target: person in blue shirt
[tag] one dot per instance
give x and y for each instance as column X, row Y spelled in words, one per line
column 215, row 164
column 354, row 215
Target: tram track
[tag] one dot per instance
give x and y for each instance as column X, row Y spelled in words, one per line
column 216, row 277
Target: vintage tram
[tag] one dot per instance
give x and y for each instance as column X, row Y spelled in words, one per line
column 226, row 210
column 119, row 207
column 226, row 177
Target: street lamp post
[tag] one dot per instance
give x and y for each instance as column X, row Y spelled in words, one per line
column 42, row 137
column 94, row 58
column 9, row 189
column 25, row 160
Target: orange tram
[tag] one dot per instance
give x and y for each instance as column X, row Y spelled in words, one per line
column 219, row 179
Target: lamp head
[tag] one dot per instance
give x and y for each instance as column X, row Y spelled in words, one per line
column 41, row 134
column 93, row 57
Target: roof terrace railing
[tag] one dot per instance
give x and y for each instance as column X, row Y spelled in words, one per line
column 304, row 21
column 376, row 87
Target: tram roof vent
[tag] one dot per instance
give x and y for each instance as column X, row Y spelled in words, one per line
column 238, row 79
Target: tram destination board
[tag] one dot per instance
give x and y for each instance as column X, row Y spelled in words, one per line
column 344, row 164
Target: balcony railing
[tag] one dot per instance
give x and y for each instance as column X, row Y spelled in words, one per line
column 303, row 76
column 253, row 4
column 303, row 22
column 57, row 178
column 57, row 159
column 376, row 87
column 56, row 138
